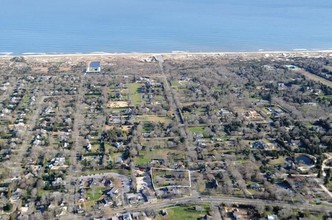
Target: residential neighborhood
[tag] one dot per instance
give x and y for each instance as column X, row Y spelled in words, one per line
column 216, row 136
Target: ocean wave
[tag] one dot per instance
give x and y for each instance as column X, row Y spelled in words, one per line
column 6, row 53
column 300, row 49
column 33, row 53
column 98, row 52
column 179, row 51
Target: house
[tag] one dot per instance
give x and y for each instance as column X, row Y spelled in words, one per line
column 259, row 145
column 255, row 186
column 127, row 216
column 207, row 217
column 94, row 67
column 199, row 209
column 133, row 198
column 118, row 144
column 235, row 214
column 272, row 217
column 149, row 196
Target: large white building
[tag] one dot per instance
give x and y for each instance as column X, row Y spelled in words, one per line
column 94, row 67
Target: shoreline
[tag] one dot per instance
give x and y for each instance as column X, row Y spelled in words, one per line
column 174, row 53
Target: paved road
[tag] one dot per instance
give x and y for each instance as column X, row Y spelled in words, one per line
column 323, row 188
column 73, row 168
column 328, row 157
column 215, row 200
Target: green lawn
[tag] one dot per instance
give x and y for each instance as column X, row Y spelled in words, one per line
column 146, row 156
column 329, row 184
column 184, row 213
column 308, row 124
column 329, row 68
column 25, row 99
column 197, row 130
column 178, row 83
column 142, row 160
column 152, row 118
column 95, row 193
column 135, row 96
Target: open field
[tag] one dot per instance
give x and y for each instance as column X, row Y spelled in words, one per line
column 134, row 94
column 184, row 212
column 152, row 118
column 154, row 154
column 117, row 104
column 316, row 78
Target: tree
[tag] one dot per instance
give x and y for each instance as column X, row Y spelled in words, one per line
column 285, row 213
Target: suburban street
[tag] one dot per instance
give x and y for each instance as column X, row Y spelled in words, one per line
column 215, row 200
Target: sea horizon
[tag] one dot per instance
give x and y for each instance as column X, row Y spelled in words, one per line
column 147, row 26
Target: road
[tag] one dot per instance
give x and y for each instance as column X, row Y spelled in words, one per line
column 174, row 103
column 328, row 157
column 215, row 200
column 73, row 170
column 28, row 135
column 323, row 188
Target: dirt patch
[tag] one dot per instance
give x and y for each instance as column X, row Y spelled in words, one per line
column 117, row 104
column 123, row 128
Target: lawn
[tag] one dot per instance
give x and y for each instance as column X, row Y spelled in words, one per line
column 199, row 111
column 316, row 78
column 25, row 99
column 279, row 161
column 95, row 193
column 141, row 160
column 329, row 68
column 146, row 156
column 196, row 130
column 159, row 98
column 175, row 83
column 184, row 213
column 135, row 96
column 152, row 118
column 154, row 142
column 95, row 148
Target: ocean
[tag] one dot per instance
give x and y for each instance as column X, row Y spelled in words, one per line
column 85, row 26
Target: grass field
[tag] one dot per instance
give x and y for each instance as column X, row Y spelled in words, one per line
column 178, row 83
column 184, row 213
column 135, row 96
column 117, row 104
column 95, row 193
column 316, row 78
column 329, row 68
column 279, row 161
column 152, row 118
column 153, row 142
column 146, row 156
column 197, row 130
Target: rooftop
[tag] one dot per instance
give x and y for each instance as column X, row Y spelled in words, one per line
column 95, row 64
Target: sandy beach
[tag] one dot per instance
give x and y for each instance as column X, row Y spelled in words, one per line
column 180, row 53
column 72, row 59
